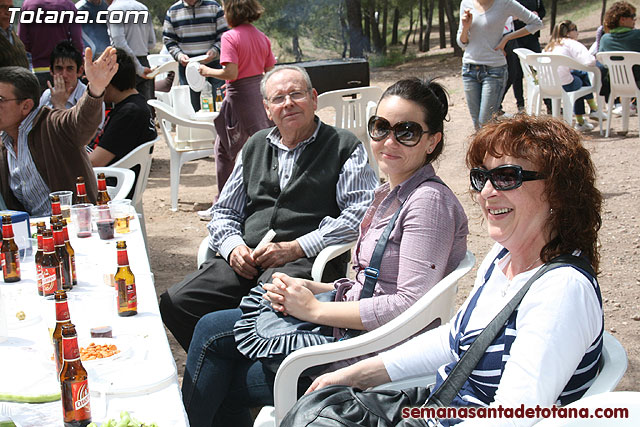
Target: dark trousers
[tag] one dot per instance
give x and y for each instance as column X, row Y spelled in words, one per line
column 513, row 65
column 216, row 286
column 195, row 96
column 145, row 86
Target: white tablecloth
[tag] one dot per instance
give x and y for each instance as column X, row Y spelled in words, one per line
column 141, row 380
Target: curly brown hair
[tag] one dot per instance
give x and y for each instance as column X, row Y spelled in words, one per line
column 557, row 151
column 238, row 12
column 620, row 9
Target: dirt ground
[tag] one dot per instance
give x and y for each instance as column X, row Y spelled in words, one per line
column 173, row 237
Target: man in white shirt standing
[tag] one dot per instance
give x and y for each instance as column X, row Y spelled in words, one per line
column 136, row 37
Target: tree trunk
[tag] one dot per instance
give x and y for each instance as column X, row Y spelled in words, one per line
column 344, row 29
column 441, row 24
column 603, row 11
column 385, row 18
column 421, row 30
column 354, row 20
column 297, row 52
column 427, row 40
column 406, row 39
column 554, row 10
column 375, row 30
column 396, row 22
column 453, row 28
column 367, row 30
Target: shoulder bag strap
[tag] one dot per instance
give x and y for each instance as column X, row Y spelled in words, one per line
column 469, row 360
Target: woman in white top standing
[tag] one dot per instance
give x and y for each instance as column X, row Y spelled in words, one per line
column 564, row 40
column 484, row 67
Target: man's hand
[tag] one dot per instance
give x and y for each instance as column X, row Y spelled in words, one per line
column 242, row 262
column 183, row 59
column 101, row 71
column 211, row 55
column 278, row 254
column 59, row 93
column 145, row 73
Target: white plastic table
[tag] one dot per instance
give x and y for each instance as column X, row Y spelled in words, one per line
column 142, row 379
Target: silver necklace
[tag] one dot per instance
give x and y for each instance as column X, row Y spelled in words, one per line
column 506, row 288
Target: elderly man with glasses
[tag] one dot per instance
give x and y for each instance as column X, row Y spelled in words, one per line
column 307, row 181
column 43, row 149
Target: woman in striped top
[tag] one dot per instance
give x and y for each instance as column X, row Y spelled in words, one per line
column 535, row 184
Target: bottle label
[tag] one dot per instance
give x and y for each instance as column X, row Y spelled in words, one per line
column 62, row 311
column 7, row 231
column 55, row 208
column 70, row 350
column 39, row 277
column 6, row 263
column 80, row 395
column 102, row 185
column 72, row 260
column 81, row 190
column 132, row 299
column 49, row 280
column 123, row 258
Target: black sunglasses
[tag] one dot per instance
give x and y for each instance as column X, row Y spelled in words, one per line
column 406, row 133
column 503, row 178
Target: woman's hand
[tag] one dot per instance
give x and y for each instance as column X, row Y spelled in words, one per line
column 502, row 45
column 289, row 295
column 467, row 19
column 363, row 375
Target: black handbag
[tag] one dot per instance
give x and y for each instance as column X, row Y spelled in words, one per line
column 269, row 336
column 348, row 406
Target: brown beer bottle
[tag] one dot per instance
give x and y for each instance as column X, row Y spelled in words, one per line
column 38, row 257
column 61, row 251
column 125, row 283
column 81, row 191
column 55, row 205
column 71, row 252
column 62, row 318
column 51, row 268
column 103, row 196
column 9, row 252
column 74, row 383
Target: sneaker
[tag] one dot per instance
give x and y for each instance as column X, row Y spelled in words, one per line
column 597, row 115
column 204, row 215
column 521, row 109
column 584, row 127
column 633, row 110
column 617, row 110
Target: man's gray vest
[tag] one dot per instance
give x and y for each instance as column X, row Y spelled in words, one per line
column 308, row 197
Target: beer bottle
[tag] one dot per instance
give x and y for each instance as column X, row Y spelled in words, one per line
column 71, row 252
column 125, row 283
column 74, row 384
column 51, row 268
column 9, row 252
column 81, row 191
column 61, row 251
column 55, row 205
column 62, row 318
column 103, row 196
column 38, row 257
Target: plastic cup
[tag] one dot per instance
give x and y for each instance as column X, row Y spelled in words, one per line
column 65, row 202
column 81, row 215
column 121, row 210
column 104, row 221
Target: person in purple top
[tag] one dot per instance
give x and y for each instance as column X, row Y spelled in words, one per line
column 39, row 38
column 428, row 241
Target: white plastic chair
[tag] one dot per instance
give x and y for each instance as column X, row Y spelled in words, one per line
column 623, row 82
column 353, row 107
column 533, row 90
column 124, row 179
column 325, row 255
column 438, row 303
column 546, row 66
column 182, row 151
column 141, row 157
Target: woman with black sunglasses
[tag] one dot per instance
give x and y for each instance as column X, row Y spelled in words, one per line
column 535, row 184
column 427, row 241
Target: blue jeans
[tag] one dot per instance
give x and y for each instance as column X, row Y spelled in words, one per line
column 483, row 88
column 580, row 79
column 220, row 385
